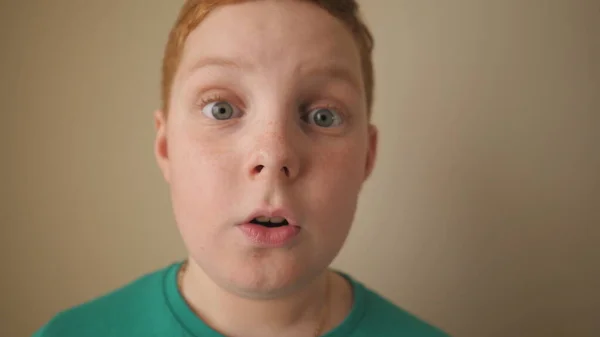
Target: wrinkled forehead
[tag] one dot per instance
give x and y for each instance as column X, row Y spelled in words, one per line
column 263, row 34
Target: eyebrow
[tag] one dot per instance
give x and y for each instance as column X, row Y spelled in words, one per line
column 222, row 62
column 322, row 69
column 335, row 71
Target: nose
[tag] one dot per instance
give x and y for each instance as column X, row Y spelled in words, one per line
column 274, row 156
column 284, row 170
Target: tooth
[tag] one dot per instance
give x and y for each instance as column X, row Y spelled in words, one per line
column 262, row 219
column 277, row 219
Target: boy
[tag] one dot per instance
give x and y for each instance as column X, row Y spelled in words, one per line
column 265, row 141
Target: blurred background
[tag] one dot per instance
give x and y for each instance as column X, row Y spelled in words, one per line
column 483, row 213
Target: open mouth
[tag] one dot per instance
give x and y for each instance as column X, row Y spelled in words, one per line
column 270, row 222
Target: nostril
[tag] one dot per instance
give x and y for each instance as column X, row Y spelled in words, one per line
column 259, row 168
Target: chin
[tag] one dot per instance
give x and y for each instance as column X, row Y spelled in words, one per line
column 265, row 273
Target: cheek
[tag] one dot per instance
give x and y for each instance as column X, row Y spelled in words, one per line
column 336, row 181
column 200, row 180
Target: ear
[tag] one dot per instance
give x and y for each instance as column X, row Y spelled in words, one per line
column 160, row 143
column 372, row 150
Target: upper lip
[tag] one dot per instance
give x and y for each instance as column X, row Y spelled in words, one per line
column 273, row 212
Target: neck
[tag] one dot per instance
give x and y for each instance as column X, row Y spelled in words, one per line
column 301, row 313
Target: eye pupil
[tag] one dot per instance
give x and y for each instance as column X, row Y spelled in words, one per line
column 222, row 111
column 324, row 118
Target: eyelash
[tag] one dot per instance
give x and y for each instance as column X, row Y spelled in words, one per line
column 204, row 101
column 304, row 108
column 326, row 106
column 337, row 109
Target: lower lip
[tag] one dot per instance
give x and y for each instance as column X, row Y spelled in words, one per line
column 269, row 237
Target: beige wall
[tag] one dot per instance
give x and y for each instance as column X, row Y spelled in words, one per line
column 483, row 213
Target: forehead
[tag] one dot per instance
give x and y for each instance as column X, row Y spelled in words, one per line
column 271, row 33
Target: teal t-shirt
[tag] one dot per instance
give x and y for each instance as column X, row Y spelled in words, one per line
column 153, row 306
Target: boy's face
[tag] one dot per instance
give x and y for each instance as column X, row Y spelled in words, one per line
column 267, row 118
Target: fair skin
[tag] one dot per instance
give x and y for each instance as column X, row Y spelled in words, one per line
column 268, row 112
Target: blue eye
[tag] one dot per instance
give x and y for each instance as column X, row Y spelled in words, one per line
column 325, row 118
column 220, row 110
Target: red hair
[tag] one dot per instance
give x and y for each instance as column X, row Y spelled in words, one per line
column 193, row 13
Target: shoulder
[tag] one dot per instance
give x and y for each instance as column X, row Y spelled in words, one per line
column 140, row 300
column 381, row 317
